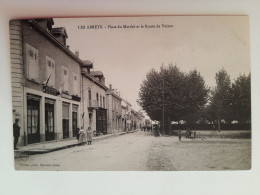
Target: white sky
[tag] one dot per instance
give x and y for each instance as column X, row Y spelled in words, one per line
column 206, row 43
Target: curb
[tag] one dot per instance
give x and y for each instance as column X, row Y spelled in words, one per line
column 23, row 153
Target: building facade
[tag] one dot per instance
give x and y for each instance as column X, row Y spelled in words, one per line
column 45, row 81
column 114, row 118
column 136, row 120
column 126, row 115
column 94, row 99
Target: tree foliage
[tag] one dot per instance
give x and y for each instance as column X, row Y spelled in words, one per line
column 241, row 99
column 229, row 101
column 221, row 97
column 180, row 95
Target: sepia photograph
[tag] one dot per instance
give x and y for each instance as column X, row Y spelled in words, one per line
column 157, row 93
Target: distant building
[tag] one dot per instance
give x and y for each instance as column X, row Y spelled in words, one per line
column 126, row 115
column 114, row 110
column 45, row 81
column 94, row 99
column 136, row 120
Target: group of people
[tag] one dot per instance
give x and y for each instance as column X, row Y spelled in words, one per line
column 84, row 136
column 188, row 134
column 146, row 128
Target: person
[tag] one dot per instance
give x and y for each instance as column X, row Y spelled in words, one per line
column 194, row 133
column 16, row 132
column 82, row 136
column 77, row 133
column 179, row 134
column 89, row 136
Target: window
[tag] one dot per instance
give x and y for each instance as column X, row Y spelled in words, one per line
column 75, row 84
column 113, row 105
column 65, row 79
column 50, row 71
column 97, row 100
column 32, row 63
column 89, row 97
column 104, row 105
column 100, row 101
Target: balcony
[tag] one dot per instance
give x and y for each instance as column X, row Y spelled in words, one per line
column 76, row 98
column 92, row 104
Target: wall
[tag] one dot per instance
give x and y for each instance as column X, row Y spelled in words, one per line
column 90, row 85
column 47, row 48
column 21, row 33
column 17, row 74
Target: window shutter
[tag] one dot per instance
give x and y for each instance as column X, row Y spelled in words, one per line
column 50, row 70
column 65, row 79
column 32, row 63
column 36, row 66
column 53, row 74
column 75, row 84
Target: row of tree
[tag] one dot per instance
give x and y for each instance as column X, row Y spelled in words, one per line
column 229, row 101
column 171, row 95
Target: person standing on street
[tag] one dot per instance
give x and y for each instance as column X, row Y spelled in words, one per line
column 77, row 134
column 89, row 136
column 16, row 132
column 179, row 134
column 82, row 136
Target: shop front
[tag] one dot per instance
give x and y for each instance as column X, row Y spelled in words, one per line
column 49, row 120
column 101, row 121
column 33, row 118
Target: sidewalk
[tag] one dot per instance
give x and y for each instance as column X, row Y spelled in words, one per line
column 46, row 147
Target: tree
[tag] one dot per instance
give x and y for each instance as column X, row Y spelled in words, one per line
column 196, row 95
column 241, row 99
column 221, row 101
column 171, row 95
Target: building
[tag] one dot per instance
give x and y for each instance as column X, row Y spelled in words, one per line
column 93, row 99
column 126, row 115
column 114, row 118
column 45, row 81
column 136, row 120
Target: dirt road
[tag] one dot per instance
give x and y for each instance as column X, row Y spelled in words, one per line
column 141, row 151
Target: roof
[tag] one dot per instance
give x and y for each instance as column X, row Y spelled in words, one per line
column 127, row 102
column 110, row 92
column 59, row 30
column 54, row 40
column 96, row 73
column 87, row 63
column 91, row 78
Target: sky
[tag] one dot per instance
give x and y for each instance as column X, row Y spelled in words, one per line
column 125, row 55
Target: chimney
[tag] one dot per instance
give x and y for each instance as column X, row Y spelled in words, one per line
column 110, row 86
column 77, row 53
column 68, row 47
column 60, row 34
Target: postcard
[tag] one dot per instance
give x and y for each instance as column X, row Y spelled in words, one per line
column 158, row 93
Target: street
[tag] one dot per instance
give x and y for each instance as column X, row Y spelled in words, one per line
column 141, row 151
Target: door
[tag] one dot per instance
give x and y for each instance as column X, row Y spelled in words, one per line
column 74, row 123
column 33, row 121
column 74, row 120
column 49, row 122
column 101, row 125
column 65, row 120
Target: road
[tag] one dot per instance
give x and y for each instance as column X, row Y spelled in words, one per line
column 141, row 151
